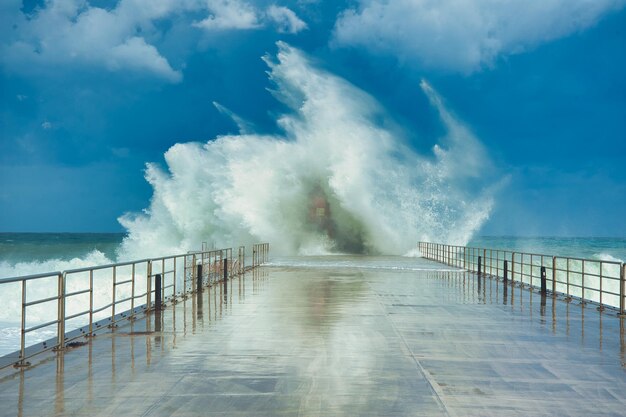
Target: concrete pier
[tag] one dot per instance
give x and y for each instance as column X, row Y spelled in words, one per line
column 332, row 340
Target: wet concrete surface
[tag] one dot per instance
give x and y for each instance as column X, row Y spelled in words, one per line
column 305, row 341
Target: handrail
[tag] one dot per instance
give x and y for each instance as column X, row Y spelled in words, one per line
column 587, row 280
column 29, row 277
column 146, row 276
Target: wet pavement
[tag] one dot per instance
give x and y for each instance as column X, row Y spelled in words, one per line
column 337, row 340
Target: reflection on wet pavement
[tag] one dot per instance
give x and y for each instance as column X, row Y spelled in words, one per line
column 300, row 340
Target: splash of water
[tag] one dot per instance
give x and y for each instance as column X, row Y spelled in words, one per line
column 335, row 180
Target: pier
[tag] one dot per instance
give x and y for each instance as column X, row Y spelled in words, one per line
column 326, row 341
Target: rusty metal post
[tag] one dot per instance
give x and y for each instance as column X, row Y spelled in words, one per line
column 543, row 280
column 199, row 277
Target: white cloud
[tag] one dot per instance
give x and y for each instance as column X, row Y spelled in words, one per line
column 238, row 14
column 230, row 14
column 463, row 35
column 285, row 19
column 71, row 32
column 136, row 54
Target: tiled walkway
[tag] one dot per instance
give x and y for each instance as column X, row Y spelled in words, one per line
column 322, row 341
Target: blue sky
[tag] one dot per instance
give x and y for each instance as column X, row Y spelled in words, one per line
column 92, row 90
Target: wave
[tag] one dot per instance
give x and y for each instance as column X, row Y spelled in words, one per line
column 338, row 178
column 607, row 257
column 14, row 269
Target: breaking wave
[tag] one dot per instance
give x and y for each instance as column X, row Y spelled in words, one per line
column 337, row 179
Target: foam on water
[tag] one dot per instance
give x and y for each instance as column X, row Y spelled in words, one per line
column 607, row 257
column 11, row 269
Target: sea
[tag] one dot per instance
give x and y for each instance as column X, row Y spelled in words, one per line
column 30, row 253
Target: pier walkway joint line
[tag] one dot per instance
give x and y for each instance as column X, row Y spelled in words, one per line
column 299, row 341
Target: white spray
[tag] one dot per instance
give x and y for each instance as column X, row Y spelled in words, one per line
column 335, row 180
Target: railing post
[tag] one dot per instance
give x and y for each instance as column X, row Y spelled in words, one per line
column 506, row 271
column 149, row 286
column 225, row 269
column 23, row 332
column 622, row 290
column 543, row 280
column 465, row 257
column 158, row 303
column 232, row 263
column 554, row 275
column 484, row 260
column 513, row 266
column 113, row 298
column 479, row 264
column 199, row 277
column 174, row 280
column 194, row 276
column 582, row 285
column 61, row 312
column 91, row 302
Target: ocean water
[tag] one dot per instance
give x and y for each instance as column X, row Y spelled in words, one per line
column 40, row 247
column 599, row 248
column 32, row 253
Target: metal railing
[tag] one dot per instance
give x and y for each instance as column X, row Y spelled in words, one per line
column 260, row 253
column 587, row 280
column 86, row 300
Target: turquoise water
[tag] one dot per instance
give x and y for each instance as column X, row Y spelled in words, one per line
column 33, row 247
column 29, row 253
column 601, row 248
